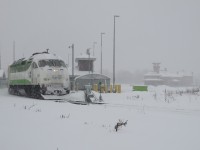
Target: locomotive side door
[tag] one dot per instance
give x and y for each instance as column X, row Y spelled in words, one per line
column 34, row 73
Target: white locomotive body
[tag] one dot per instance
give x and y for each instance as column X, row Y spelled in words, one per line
column 42, row 74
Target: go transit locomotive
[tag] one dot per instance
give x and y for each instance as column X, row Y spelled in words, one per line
column 42, row 75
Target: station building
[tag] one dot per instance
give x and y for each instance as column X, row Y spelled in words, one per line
column 85, row 74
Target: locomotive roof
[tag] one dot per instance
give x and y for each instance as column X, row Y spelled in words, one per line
column 44, row 55
column 36, row 56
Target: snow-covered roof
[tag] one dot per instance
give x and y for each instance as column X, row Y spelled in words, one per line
column 153, row 80
column 85, row 57
column 175, row 80
column 93, row 76
column 152, row 74
column 167, row 74
column 39, row 56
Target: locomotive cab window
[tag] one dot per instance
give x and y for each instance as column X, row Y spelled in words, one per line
column 34, row 65
column 51, row 63
column 42, row 63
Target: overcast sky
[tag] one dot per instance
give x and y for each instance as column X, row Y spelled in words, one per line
column 165, row 31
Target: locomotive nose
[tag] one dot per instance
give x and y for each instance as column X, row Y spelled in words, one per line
column 56, row 75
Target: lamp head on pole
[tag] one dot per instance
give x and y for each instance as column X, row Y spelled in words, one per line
column 71, row 46
column 116, row 16
column 88, row 51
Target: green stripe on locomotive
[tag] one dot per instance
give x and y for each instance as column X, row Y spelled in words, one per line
column 20, row 66
column 20, row 82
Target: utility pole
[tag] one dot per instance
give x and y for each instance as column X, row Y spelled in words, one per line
column 101, row 49
column 114, row 55
column 94, row 47
column 88, row 52
column 68, row 59
column 73, row 60
column 0, row 58
column 13, row 51
column 73, row 82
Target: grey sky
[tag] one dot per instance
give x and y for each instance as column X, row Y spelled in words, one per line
column 166, row 31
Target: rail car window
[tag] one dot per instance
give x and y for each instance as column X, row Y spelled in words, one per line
column 51, row 63
column 62, row 63
column 20, row 67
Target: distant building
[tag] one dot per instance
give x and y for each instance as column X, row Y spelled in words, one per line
column 163, row 77
column 84, row 72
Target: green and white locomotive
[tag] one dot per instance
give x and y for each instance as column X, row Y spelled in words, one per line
column 42, row 75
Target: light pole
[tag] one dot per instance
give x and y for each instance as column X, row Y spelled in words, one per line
column 115, row 16
column 73, row 85
column 102, row 33
column 68, row 59
column 88, row 52
column 94, row 47
column 13, row 51
column 0, row 58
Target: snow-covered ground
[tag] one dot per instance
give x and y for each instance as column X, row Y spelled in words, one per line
column 163, row 118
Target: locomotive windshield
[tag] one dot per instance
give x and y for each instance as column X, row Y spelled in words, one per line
column 51, row 63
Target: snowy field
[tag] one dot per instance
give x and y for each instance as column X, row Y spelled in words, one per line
column 163, row 118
